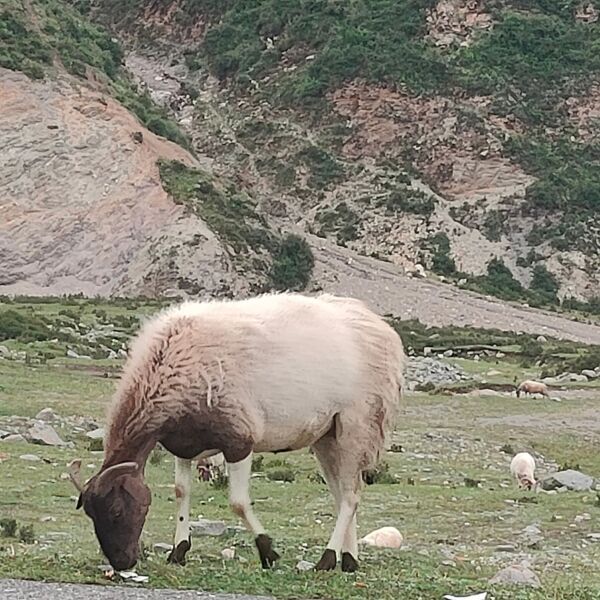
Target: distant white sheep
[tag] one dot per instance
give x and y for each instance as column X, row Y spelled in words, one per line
column 533, row 387
column 522, row 468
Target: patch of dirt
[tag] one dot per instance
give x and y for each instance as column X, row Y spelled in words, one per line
column 452, row 145
column 453, row 22
column 587, row 13
column 81, row 204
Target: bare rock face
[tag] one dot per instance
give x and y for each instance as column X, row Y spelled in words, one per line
column 82, row 208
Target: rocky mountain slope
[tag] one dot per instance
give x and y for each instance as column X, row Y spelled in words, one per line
column 399, row 138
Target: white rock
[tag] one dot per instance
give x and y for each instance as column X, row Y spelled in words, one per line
column 228, row 553
column 305, row 565
column 162, row 548
column 385, row 537
column 72, row 353
column 96, row 434
column 47, row 414
column 30, row 457
column 14, row 437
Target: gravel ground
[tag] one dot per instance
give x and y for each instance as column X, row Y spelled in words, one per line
column 16, row 589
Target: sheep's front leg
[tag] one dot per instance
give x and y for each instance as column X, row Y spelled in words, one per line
column 183, row 484
column 239, row 498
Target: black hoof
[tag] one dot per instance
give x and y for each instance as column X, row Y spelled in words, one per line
column 177, row 555
column 268, row 556
column 349, row 563
column 327, row 562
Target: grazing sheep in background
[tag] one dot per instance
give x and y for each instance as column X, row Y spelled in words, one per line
column 274, row 373
column 207, row 467
column 533, row 387
column 522, row 468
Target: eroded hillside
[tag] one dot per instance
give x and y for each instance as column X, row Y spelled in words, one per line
column 446, row 134
column 455, row 138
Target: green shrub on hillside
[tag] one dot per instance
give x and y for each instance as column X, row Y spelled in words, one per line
column 441, row 261
column 293, row 263
column 15, row 325
column 340, row 220
column 230, row 214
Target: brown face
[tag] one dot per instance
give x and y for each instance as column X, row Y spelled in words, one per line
column 117, row 502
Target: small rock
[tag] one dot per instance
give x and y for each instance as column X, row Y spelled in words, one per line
column 47, row 414
column 4, row 434
column 4, row 351
column 590, row 374
column 570, row 479
column 44, row 435
column 96, row 434
column 72, row 353
column 595, row 537
column 30, row 457
column 162, row 548
column 516, row 575
column 14, row 437
column 138, row 137
column 385, row 537
column 541, row 339
column 582, row 518
column 228, row 553
column 505, row 548
column 48, row 519
column 206, row 527
column 305, row 565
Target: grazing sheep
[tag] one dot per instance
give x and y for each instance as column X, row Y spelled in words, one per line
column 533, row 387
column 522, row 468
column 274, row 373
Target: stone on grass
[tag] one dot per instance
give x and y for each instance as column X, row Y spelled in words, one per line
column 4, row 434
column 304, row 565
column 45, row 435
column 162, row 548
column 47, row 414
column 385, row 537
column 516, row 575
column 506, row 548
column 96, row 434
column 30, row 457
column 206, row 527
column 590, row 374
column 228, row 553
column 14, row 437
column 570, row 479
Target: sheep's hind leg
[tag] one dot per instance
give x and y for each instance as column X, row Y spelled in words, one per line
column 183, row 484
column 239, row 498
column 343, row 480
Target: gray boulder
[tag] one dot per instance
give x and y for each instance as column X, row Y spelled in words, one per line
column 45, row 435
column 47, row 414
column 570, row 479
column 96, row 434
column 516, row 575
column 590, row 374
column 206, row 527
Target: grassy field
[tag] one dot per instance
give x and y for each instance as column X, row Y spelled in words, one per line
column 452, row 531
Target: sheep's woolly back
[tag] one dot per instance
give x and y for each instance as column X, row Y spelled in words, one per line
column 523, row 465
column 258, row 360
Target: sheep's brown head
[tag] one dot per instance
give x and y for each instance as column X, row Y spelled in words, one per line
column 117, row 501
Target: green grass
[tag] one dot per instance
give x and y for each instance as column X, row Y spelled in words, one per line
column 431, row 514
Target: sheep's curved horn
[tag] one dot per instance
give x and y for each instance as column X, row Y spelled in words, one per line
column 74, row 469
column 118, row 469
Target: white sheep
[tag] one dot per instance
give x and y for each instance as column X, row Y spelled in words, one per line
column 274, row 373
column 533, row 387
column 522, row 468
